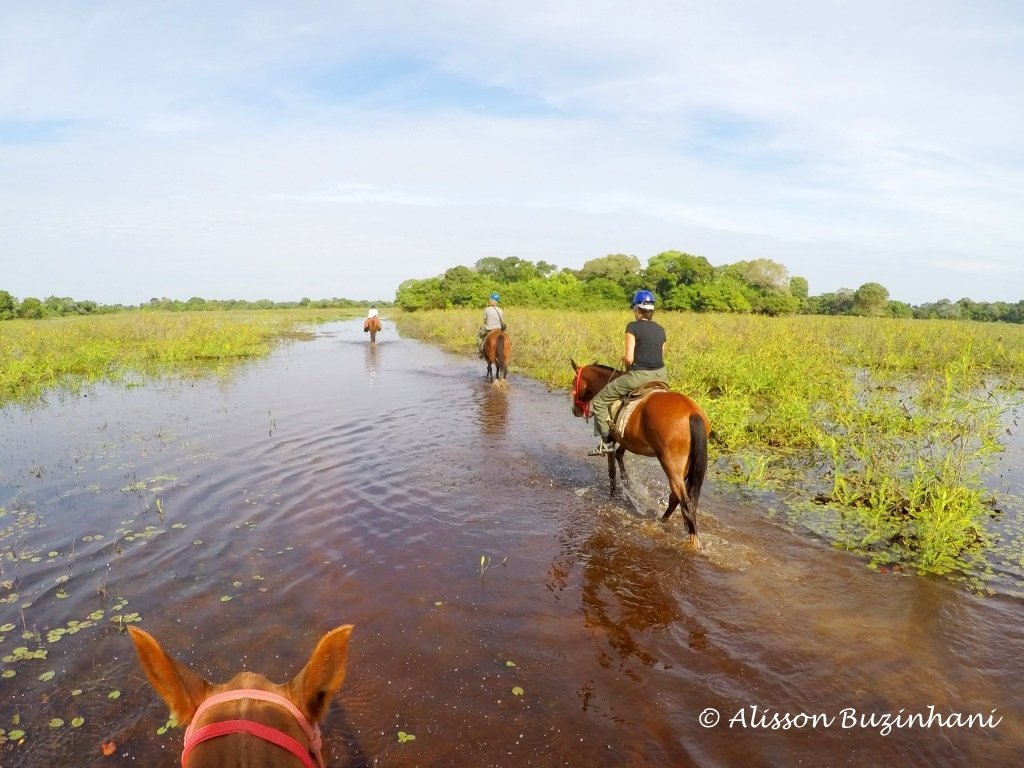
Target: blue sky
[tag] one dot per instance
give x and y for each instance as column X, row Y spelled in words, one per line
column 280, row 150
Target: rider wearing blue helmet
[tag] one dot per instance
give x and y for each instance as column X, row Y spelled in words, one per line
column 644, row 361
column 493, row 321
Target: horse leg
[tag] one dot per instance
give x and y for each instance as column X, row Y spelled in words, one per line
column 611, row 472
column 373, row 335
column 619, row 453
column 678, row 497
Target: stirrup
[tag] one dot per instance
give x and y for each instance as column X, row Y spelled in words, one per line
column 603, row 449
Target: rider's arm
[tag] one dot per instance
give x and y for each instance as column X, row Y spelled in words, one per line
column 627, row 358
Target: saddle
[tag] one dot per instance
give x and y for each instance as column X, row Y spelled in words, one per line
column 623, row 408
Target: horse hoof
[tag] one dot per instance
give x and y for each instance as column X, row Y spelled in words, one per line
column 694, row 543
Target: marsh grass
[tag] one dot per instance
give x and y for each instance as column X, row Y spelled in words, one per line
column 887, row 425
column 39, row 355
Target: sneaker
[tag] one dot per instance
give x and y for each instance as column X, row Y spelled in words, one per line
column 603, row 448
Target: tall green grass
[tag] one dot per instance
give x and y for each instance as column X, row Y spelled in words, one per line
column 37, row 355
column 890, row 423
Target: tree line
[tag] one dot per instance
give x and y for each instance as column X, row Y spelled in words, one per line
column 62, row 306
column 681, row 281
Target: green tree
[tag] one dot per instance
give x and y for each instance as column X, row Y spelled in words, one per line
column 31, row 308
column 669, row 269
column 871, row 300
column 8, row 306
column 617, row 267
column 420, row 294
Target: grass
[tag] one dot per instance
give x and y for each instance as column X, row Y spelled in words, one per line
column 890, row 423
column 39, row 355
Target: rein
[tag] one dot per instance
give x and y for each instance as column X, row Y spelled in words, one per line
column 194, row 736
column 583, row 406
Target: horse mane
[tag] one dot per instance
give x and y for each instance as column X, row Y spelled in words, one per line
column 603, row 367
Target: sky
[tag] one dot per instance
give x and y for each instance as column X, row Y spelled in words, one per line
column 245, row 149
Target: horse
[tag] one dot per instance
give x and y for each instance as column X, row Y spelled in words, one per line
column 372, row 325
column 249, row 721
column 496, row 351
column 667, row 425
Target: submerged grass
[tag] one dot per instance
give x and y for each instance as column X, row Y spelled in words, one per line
column 890, row 423
column 38, row 355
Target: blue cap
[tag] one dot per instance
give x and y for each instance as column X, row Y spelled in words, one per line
column 496, row 297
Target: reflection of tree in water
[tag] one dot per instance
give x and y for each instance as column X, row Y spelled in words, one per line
column 624, row 597
column 371, row 359
column 492, row 405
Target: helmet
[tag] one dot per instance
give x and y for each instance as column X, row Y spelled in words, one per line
column 643, row 300
column 495, row 297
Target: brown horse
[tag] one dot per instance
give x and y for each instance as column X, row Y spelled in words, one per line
column 249, row 721
column 667, row 425
column 497, row 349
column 372, row 325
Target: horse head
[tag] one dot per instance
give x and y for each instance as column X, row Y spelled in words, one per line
column 589, row 380
column 249, row 720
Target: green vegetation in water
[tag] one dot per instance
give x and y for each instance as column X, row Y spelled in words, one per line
column 887, row 426
column 37, row 355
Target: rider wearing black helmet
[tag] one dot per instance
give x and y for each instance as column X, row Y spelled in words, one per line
column 644, row 361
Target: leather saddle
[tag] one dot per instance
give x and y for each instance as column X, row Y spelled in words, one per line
column 623, row 408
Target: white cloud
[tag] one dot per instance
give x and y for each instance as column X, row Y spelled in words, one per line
column 197, row 147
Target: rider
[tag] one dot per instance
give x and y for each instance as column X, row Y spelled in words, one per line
column 493, row 321
column 644, row 360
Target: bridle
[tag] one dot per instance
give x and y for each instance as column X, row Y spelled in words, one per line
column 583, row 407
column 305, row 753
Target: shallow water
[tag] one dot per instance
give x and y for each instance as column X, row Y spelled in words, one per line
column 463, row 531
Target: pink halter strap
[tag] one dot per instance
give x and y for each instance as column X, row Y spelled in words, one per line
column 194, row 735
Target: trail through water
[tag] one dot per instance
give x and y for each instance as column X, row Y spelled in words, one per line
column 507, row 611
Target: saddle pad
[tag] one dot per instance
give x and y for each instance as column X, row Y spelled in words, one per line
column 623, row 409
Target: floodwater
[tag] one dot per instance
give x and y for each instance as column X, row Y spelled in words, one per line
column 507, row 612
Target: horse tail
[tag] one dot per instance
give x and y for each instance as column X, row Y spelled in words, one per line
column 501, row 351
column 698, row 465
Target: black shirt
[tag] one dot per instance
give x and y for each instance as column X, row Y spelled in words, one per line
column 650, row 337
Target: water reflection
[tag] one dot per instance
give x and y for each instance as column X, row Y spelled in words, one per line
column 371, row 361
column 623, row 597
column 492, row 407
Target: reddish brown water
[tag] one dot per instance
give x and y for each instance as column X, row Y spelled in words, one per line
column 341, row 482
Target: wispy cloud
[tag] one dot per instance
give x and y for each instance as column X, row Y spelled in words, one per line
column 839, row 138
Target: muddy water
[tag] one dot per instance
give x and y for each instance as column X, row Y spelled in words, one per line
column 507, row 612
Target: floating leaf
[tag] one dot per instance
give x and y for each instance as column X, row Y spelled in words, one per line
column 47, row 676
column 510, row 664
column 76, row 692
column 16, row 734
column 114, row 695
column 78, row 722
column 56, row 722
column 108, row 747
column 517, row 691
column 7, row 627
column 236, row 584
column 225, row 598
column 404, row 737
column 8, row 673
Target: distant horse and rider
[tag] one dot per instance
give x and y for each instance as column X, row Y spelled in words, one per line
column 372, row 325
column 497, row 350
column 493, row 341
column 249, row 721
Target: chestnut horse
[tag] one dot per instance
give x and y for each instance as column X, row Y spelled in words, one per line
column 667, row 425
column 249, row 721
column 372, row 326
column 497, row 349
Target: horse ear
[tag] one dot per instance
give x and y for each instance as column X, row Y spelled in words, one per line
column 574, row 366
column 312, row 689
column 181, row 688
